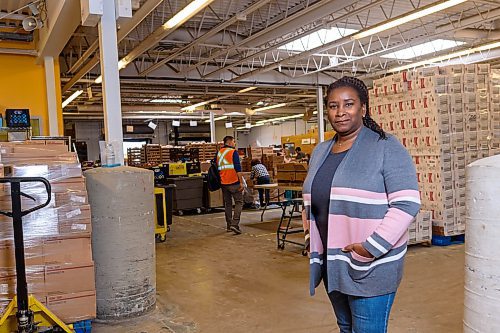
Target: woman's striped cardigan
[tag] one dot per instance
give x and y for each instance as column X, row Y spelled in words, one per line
column 374, row 197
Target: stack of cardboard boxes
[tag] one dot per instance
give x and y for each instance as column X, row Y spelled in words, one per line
column 442, row 116
column 292, row 174
column 60, row 269
column 420, row 230
column 271, row 162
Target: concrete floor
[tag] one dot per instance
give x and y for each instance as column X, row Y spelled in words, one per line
column 211, row 281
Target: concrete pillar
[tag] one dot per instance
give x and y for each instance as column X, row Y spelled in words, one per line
column 321, row 122
column 50, row 83
column 108, row 48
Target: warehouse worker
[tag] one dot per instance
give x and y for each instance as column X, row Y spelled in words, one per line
column 228, row 163
column 261, row 175
column 360, row 196
column 299, row 154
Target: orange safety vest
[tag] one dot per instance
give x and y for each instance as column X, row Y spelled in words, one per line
column 225, row 164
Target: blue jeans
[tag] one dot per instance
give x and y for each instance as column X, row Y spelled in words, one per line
column 361, row 314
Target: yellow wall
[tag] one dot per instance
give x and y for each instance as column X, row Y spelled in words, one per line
column 22, row 85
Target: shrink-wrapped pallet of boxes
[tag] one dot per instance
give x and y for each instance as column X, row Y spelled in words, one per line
column 57, row 238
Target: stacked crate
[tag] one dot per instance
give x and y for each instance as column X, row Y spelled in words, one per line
column 153, row 154
column 495, row 110
column 57, row 238
column 165, row 153
column 442, row 116
column 135, row 157
column 207, row 151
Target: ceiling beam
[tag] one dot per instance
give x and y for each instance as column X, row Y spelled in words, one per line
column 206, row 36
column 160, row 33
column 286, row 41
column 125, row 28
column 439, row 31
column 311, row 13
column 63, row 17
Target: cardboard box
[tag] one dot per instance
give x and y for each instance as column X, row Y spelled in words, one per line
column 65, row 250
column 69, row 278
column 33, row 252
column 70, row 226
column 34, row 276
column 73, row 307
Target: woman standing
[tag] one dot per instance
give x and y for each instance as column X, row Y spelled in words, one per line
column 360, row 196
column 260, row 173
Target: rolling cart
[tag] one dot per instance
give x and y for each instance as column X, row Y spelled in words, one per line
column 284, row 227
column 163, row 210
column 25, row 314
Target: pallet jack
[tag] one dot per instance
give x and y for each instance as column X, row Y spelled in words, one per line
column 25, row 314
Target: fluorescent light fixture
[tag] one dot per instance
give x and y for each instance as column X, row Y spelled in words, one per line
column 423, row 49
column 316, row 39
column 428, row 10
column 168, row 100
column 246, row 90
column 71, row 98
column 280, row 118
column 218, row 118
column 315, row 112
column 270, row 107
column 457, row 54
column 121, row 65
column 193, row 107
column 229, row 124
column 186, row 13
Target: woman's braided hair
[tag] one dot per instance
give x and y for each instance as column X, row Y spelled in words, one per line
column 362, row 91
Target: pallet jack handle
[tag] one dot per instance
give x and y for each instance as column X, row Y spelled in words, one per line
column 16, row 189
column 24, row 315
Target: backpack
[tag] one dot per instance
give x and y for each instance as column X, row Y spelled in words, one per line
column 213, row 179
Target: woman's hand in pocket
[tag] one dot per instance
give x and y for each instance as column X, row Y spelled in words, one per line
column 359, row 249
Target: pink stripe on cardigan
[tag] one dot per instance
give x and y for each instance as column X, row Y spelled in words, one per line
column 344, row 230
column 358, row 193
